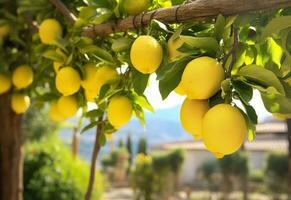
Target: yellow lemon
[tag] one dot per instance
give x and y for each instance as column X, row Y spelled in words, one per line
column 55, row 114
column 5, row 83
column 146, row 54
column 105, row 74
column 90, row 95
column 68, row 106
column 22, row 76
column 134, row 7
column 202, row 77
column 223, row 130
column 180, row 89
column 191, row 115
column 119, row 111
column 173, row 45
column 20, row 103
column 49, row 31
column 4, row 30
column 280, row 116
column 89, row 82
column 68, row 81
column 57, row 65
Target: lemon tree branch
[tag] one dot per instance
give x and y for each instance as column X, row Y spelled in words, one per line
column 198, row 10
column 61, row 7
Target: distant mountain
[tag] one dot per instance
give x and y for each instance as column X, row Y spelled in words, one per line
column 161, row 126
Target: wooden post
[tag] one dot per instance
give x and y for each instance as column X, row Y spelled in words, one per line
column 11, row 152
column 75, row 142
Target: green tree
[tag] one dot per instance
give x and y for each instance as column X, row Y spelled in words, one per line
column 142, row 146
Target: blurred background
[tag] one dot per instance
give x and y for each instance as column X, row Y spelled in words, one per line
column 157, row 161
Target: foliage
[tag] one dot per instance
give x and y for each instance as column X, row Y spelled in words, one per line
column 114, row 158
column 277, row 172
column 156, row 176
column 37, row 125
column 129, row 149
column 142, row 146
column 50, row 172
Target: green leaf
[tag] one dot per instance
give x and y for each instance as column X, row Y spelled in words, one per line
column 52, row 55
column 275, row 26
column 219, row 27
column 103, row 14
column 177, row 2
column 159, row 26
column 275, row 51
column 251, row 113
column 216, row 99
column 261, row 76
column 87, row 12
column 208, row 44
column 102, row 139
column 89, row 126
column 244, row 91
column 103, row 91
column 250, row 126
column 225, row 87
column 139, row 81
column 121, row 44
column 97, row 51
column 94, row 113
column 142, row 101
column 249, row 56
column 276, row 103
column 139, row 113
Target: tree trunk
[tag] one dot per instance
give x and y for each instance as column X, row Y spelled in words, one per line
column 289, row 151
column 11, row 152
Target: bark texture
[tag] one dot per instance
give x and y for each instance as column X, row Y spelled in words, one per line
column 11, row 152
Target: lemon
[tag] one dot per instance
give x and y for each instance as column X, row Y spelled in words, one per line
column 180, row 89
column 49, row 31
column 68, row 81
column 90, row 95
column 146, row 54
column 20, row 103
column 68, row 106
column 89, row 82
column 4, row 30
column 134, row 7
column 105, row 74
column 22, row 76
column 223, row 130
column 55, row 114
column 5, row 83
column 202, row 77
column 57, row 65
column 119, row 111
column 191, row 115
column 280, row 116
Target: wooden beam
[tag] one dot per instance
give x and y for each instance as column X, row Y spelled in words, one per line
column 199, row 9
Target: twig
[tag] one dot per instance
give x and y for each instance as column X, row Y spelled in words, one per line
column 60, row 6
column 233, row 50
column 198, row 10
column 94, row 159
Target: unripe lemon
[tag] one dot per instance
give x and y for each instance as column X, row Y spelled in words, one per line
column 223, row 130
column 180, row 89
column 104, row 75
column 4, row 30
column 57, row 65
column 191, row 115
column 68, row 106
column 5, row 83
column 20, row 103
column 146, row 54
column 22, row 76
column 89, row 82
column 134, row 7
column 202, row 77
column 68, row 81
column 49, row 31
column 55, row 114
column 119, row 111
column 174, row 45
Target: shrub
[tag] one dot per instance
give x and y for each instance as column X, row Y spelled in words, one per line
column 50, row 172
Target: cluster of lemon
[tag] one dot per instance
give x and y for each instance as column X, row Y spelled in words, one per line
column 22, row 77
column 68, row 83
column 222, row 127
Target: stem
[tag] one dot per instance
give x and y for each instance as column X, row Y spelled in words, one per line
column 233, row 51
column 60, row 6
column 94, row 159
